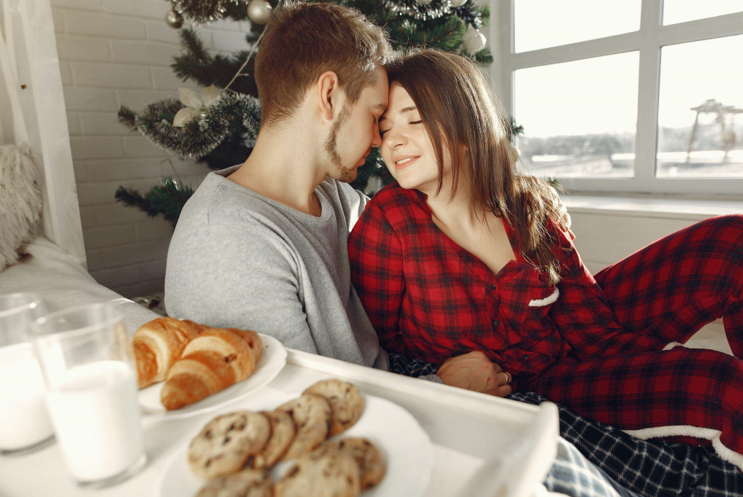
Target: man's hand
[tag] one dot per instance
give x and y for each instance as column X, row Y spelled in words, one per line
column 474, row 371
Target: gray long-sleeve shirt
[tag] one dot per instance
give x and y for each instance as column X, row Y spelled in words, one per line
column 239, row 259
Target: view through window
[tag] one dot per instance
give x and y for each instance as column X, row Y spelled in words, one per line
column 647, row 93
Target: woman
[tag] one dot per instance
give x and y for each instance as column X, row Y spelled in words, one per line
column 463, row 254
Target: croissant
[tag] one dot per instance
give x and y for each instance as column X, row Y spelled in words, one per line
column 158, row 344
column 211, row 362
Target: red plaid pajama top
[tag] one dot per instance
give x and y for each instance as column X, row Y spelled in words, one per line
column 428, row 297
column 593, row 344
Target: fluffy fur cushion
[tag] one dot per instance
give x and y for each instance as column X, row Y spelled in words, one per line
column 20, row 201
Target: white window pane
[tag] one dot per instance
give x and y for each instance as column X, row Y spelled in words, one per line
column 549, row 23
column 579, row 118
column 676, row 11
column 701, row 79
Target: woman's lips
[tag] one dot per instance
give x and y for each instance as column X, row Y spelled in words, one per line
column 398, row 167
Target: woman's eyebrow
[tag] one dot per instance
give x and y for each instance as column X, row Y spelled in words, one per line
column 403, row 110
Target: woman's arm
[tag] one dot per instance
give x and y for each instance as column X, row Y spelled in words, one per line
column 377, row 274
column 582, row 312
column 376, row 259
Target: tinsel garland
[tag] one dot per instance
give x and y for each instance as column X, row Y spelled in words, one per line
column 231, row 113
column 434, row 10
column 204, row 11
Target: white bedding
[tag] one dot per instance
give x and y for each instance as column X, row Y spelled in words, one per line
column 63, row 283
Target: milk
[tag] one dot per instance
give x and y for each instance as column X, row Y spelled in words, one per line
column 95, row 414
column 23, row 415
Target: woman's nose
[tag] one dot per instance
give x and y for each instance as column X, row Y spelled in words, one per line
column 393, row 139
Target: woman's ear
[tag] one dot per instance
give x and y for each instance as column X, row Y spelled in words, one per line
column 328, row 95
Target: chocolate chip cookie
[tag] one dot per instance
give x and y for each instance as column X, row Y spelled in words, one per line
column 245, row 483
column 368, row 457
column 226, row 442
column 345, row 400
column 311, row 415
column 283, row 431
column 330, row 474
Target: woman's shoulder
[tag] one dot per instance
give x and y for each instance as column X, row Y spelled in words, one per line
column 400, row 208
column 393, row 196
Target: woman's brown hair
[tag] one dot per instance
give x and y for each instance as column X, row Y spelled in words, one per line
column 459, row 110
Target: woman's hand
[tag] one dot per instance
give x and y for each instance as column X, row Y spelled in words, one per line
column 474, row 371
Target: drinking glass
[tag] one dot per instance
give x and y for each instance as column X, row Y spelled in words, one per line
column 91, row 383
column 24, row 421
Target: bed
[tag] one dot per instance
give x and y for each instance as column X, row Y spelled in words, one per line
column 57, row 277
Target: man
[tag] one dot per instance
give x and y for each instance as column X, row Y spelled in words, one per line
column 263, row 245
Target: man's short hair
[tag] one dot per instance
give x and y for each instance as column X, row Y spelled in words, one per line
column 304, row 40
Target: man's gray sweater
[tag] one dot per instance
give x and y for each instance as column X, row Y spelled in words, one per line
column 239, row 259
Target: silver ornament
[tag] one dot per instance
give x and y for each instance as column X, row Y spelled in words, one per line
column 423, row 2
column 474, row 40
column 259, row 11
column 457, row 3
column 174, row 19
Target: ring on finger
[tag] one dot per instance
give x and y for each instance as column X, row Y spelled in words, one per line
column 508, row 378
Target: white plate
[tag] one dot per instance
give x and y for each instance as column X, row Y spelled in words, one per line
column 406, row 448
column 270, row 363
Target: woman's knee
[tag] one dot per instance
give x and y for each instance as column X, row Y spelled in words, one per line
column 727, row 227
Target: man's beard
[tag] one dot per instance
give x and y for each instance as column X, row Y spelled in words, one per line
column 345, row 174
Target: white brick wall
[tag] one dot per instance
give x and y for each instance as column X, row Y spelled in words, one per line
column 113, row 53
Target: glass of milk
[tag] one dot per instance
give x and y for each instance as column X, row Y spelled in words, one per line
column 24, row 421
column 91, row 382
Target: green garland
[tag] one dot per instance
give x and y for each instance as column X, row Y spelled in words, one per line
column 231, row 114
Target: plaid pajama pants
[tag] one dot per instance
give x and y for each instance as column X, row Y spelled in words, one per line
column 651, row 468
column 669, row 289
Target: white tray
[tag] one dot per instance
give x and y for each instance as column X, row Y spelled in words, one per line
column 482, row 445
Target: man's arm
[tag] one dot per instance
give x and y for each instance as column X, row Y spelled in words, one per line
column 238, row 276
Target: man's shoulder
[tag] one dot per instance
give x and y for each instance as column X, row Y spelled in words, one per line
column 346, row 201
column 222, row 212
column 220, row 202
column 343, row 191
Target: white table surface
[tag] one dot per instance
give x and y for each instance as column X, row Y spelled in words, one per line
column 483, row 442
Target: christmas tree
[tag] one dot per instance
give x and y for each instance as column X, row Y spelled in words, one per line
column 218, row 126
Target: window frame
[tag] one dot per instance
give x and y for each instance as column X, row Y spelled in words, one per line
column 648, row 41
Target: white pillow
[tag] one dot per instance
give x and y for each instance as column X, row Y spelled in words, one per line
column 20, row 201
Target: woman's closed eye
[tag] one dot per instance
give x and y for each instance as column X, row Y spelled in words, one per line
column 383, row 131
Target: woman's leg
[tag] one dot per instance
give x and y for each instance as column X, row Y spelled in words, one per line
column 675, row 388
column 649, row 467
column 676, row 285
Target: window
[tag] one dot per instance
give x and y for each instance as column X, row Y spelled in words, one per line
column 591, row 124
column 627, row 95
column 700, row 112
column 577, row 20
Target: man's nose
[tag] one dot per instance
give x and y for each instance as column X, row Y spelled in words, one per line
column 376, row 138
